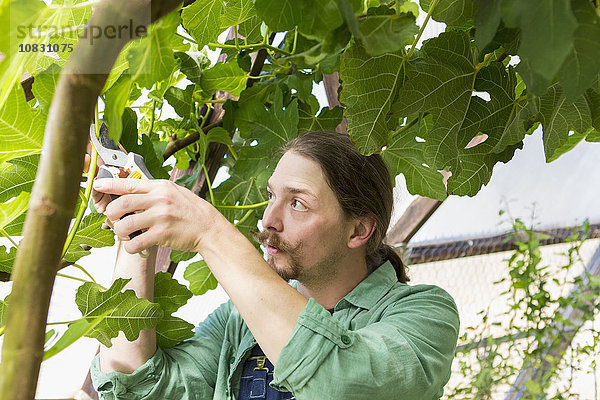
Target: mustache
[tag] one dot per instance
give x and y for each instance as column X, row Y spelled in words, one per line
column 273, row 239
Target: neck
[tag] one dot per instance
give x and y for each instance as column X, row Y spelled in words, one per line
column 328, row 291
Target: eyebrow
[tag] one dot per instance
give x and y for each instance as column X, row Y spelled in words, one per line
column 294, row 190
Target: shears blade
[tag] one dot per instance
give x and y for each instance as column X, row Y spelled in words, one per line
column 112, row 157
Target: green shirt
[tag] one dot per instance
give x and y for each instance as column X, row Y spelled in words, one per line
column 385, row 340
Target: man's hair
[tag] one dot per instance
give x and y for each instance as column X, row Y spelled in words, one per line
column 362, row 184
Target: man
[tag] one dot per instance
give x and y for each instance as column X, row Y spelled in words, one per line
column 347, row 327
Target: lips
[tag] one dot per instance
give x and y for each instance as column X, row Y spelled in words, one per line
column 273, row 250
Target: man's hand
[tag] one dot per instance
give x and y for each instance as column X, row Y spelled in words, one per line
column 169, row 214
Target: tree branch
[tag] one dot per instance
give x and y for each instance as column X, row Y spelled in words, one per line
column 56, row 188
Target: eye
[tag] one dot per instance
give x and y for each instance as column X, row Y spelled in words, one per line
column 269, row 195
column 297, row 205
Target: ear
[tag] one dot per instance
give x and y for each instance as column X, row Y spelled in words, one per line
column 362, row 229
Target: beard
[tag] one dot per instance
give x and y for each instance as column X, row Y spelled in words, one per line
column 323, row 270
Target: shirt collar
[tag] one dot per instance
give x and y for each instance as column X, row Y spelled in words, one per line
column 371, row 289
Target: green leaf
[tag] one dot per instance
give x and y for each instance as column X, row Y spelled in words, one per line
column 116, row 100
column 127, row 313
column 219, row 135
column 280, row 15
column 179, row 256
column 228, row 77
column 236, row 11
column 75, row 331
column 573, row 140
column 245, row 188
column 129, row 140
column 547, row 29
column 440, row 82
column 44, row 84
column 250, row 29
column 348, row 12
column 2, row 313
column 21, row 128
column 191, row 66
column 271, row 128
column 477, row 166
column 593, row 136
column 404, row 155
column 171, row 331
column 7, row 259
column 494, row 118
column 91, row 234
column 202, row 20
column 560, row 117
column 582, row 65
column 487, row 21
column 11, row 210
column 327, row 120
column 15, row 228
column 386, row 31
column 451, row 12
column 369, row 87
column 120, row 66
column 181, row 100
column 152, row 60
column 59, row 25
column 171, row 295
column 318, row 18
column 17, row 175
column 200, row 278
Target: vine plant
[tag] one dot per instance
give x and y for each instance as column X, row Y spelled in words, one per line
column 545, row 307
column 501, row 69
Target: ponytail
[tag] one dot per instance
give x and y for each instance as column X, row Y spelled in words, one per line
column 386, row 252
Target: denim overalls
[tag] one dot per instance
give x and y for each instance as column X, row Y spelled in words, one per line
column 257, row 373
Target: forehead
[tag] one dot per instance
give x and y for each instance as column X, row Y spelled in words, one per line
column 299, row 172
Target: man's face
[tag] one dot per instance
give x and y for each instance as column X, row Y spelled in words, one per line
column 304, row 225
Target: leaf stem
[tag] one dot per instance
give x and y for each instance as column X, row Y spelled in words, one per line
column 78, row 279
column 408, row 125
column 64, row 322
column 233, row 153
column 214, row 101
column 412, row 48
column 88, row 189
column 75, row 6
column 6, row 235
column 256, row 46
column 212, row 198
column 261, row 76
column 79, row 267
column 152, row 118
column 295, row 39
column 245, row 217
column 249, row 206
column 186, row 38
column 235, row 38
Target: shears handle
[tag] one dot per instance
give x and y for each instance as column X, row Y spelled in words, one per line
column 135, row 169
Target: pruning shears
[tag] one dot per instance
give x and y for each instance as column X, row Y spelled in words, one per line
column 117, row 162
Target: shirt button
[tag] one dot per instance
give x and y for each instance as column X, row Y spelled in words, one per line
column 345, row 339
column 231, row 360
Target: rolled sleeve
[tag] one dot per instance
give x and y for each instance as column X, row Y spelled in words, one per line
column 187, row 371
column 406, row 354
column 317, row 331
column 118, row 385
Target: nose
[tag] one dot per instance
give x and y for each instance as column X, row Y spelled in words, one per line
column 272, row 219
